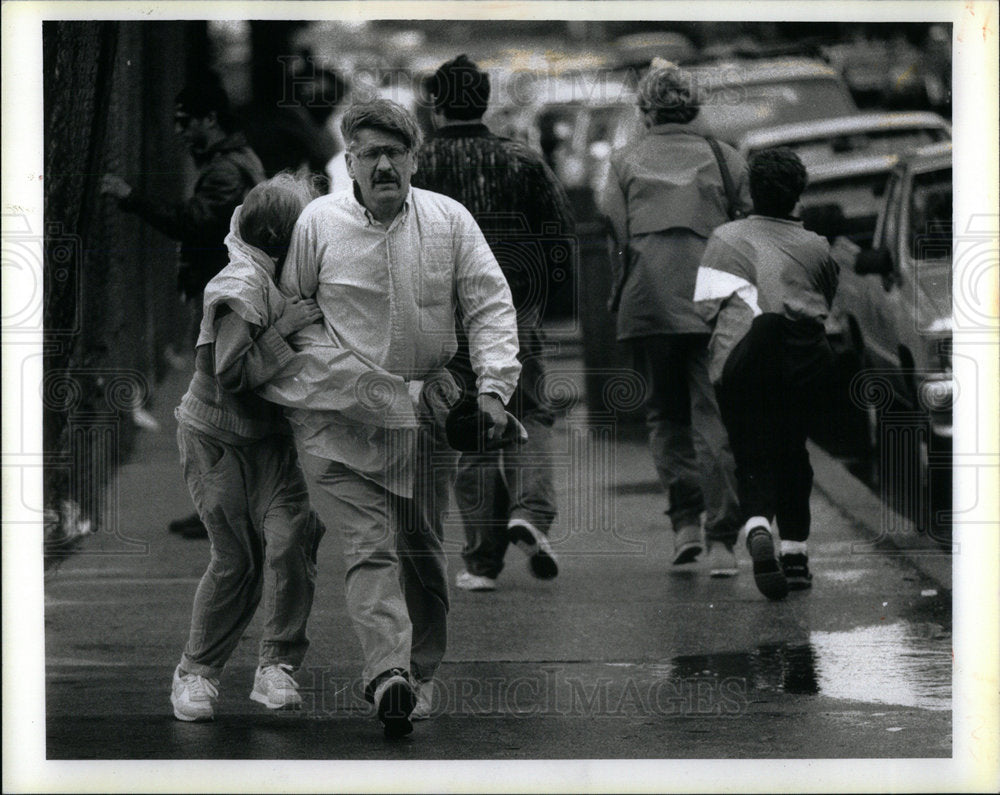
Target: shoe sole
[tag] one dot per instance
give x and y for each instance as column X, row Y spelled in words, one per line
column 394, row 710
column 192, row 718
column 723, row 573
column 796, row 584
column 687, row 554
column 462, row 587
column 767, row 573
column 540, row 558
column 260, row 698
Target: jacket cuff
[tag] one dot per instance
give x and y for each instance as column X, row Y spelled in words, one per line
column 276, row 345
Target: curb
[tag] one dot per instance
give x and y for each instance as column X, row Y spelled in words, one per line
column 883, row 526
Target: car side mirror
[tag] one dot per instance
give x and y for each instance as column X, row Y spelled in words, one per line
column 875, row 261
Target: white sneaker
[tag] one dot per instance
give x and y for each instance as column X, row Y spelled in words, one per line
column 193, row 696
column 721, row 561
column 474, row 582
column 424, row 708
column 274, row 687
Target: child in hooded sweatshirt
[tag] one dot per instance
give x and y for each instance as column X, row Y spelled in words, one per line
column 239, row 459
column 766, row 284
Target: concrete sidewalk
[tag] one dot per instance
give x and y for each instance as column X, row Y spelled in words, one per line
column 622, row 656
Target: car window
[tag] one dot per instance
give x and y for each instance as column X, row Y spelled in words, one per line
column 929, row 215
column 875, row 142
column 737, row 109
column 846, row 207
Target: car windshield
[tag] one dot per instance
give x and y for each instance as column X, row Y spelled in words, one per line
column 872, row 142
column 730, row 111
column 847, row 206
column 929, row 216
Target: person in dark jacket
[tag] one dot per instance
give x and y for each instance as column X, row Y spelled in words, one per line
column 766, row 284
column 227, row 170
column 504, row 496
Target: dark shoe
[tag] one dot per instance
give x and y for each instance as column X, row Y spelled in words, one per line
column 394, row 701
column 188, row 527
column 796, row 569
column 532, row 543
column 767, row 573
column 687, row 544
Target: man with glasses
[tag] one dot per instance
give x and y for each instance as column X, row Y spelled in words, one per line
column 227, row 170
column 389, row 265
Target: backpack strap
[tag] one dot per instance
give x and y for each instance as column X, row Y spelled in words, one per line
column 727, row 180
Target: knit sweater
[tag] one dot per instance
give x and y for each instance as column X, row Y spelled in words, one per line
column 514, row 197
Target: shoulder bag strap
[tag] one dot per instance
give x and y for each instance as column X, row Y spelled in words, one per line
column 727, row 179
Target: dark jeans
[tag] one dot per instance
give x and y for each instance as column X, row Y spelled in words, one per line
column 493, row 488
column 686, row 434
column 769, row 394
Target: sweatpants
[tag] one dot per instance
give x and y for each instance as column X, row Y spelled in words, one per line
column 253, row 501
column 770, row 392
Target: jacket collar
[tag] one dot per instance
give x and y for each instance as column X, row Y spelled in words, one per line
column 474, row 129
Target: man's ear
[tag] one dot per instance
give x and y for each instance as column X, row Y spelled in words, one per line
column 349, row 162
column 212, row 119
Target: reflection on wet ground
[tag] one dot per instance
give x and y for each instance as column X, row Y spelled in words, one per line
column 905, row 664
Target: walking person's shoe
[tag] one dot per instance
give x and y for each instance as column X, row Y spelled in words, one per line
column 767, row 573
column 474, row 582
column 535, row 545
column 687, row 544
column 721, row 560
column 193, row 696
column 796, row 569
column 424, row 706
column 274, row 687
column 394, row 702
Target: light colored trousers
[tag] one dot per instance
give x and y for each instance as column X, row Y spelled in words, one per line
column 253, row 501
column 397, row 582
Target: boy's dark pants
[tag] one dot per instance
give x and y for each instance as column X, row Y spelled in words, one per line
column 769, row 394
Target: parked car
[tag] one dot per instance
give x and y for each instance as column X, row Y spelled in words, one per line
column 740, row 96
column 894, row 307
column 850, row 136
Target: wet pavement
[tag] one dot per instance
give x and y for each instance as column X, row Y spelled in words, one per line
column 621, row 657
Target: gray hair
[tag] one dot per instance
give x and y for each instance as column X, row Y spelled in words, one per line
column 380, row 114
column 669, row 93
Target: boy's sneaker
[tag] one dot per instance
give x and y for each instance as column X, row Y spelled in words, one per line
column 721, row 560
column 193, row 696
column 474, row 582
column 796, row 569
column 394, row 701
column 687, row 544
column 535, row 545
column 424, row 708
column 274, row 687
column 767, row 573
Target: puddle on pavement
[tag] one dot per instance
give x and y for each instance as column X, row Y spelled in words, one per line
column 902, row 664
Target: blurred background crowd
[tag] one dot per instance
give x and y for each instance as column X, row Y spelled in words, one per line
column 565, row 87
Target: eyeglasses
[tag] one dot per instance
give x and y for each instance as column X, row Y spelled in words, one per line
column 371, row 155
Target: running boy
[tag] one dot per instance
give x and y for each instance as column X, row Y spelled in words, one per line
column 767, row 284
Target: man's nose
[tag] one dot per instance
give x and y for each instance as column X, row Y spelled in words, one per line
column 383, row 163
